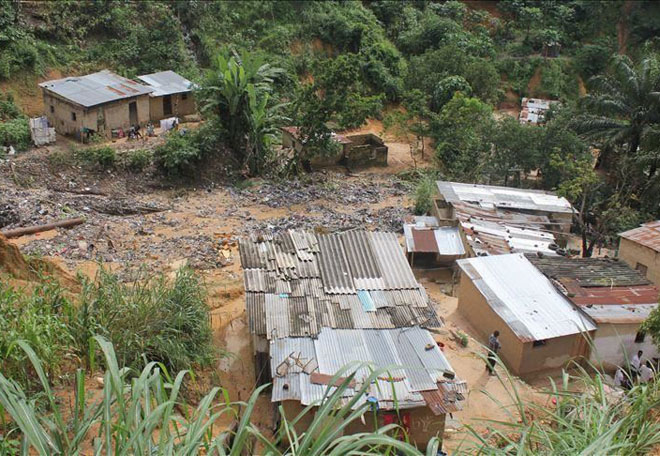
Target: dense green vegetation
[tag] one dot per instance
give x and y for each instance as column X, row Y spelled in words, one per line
column 14, row 127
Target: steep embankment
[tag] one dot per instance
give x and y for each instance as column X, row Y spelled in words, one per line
column 17, row 268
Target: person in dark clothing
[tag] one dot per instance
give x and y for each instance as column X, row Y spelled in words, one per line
column 493, row 347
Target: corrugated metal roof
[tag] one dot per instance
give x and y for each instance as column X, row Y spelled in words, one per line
column 524, row 298
column 299, row 276
column 423, row 240
column 336, row 274
column 490, row 196
column 362, row 260
column 416, row 366
column 392, row 262
column 619, row 314
column 166, row 83
column 96, row 88
column 647, row 235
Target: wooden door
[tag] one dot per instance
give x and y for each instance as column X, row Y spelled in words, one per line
column 132, row 113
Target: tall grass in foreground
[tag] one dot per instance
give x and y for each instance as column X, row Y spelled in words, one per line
column 145, row 415
column 581, row 416
column 151, row 317
column 34, row 316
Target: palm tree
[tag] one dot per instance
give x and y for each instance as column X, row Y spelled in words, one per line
column 623, row 106
column 236, row 90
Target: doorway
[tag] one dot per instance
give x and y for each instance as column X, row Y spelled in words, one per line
column 132, row 113
column 167, row 105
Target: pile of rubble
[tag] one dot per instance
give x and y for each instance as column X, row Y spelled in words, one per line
column 321, row 186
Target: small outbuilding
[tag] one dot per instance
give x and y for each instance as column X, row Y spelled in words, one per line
column 640, row 248
column 97, row 103
column 540, row 329
column 428, row 244
column 171, row 96
column 355, row 151
column 533, row 110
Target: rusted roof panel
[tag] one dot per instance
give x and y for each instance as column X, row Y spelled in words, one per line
column 647, row 235
column 96, row 88
column 424, row 240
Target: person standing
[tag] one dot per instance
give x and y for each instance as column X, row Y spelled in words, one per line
column 493, row 347
column 619, row 378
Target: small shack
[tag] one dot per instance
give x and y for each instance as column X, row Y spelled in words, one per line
column 355, row 151
column 617, row 298
column 365, row 150
column 640, row 248
column 533, row 110
column 428, row 244
column 540, row 329
column 171, row 96
column 97, row 103
column 316, row 302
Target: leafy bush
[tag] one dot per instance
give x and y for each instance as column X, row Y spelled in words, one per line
column 137, row 160
column 15, row 132
column 558, row 80
column 592, row 59
column 585, row 417
column 463, row 132
column 179, row 155
column 8, row 108
column 446, row 88
column 424, row 195
column 100, row 157
column 165, row 320
column 36, row 316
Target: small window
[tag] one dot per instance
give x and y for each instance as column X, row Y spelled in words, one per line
column 184, row 96
column 639, row 337
column 642, row 268
column 73, row 116
column 538, row 343
column 52, row 109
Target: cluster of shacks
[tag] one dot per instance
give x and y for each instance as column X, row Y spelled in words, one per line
column 515, row 277
column 319, row 302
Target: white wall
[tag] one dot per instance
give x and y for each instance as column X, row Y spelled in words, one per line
column 613, row 344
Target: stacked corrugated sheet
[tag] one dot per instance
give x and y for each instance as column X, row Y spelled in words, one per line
column 303, row 368
column 327, row 300
column 298, row 282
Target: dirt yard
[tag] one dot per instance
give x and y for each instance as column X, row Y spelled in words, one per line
column 138, row 219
